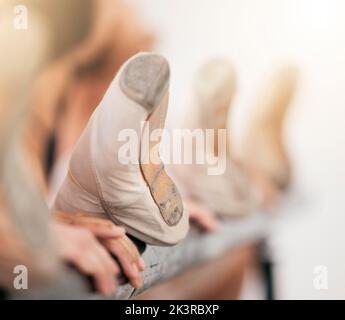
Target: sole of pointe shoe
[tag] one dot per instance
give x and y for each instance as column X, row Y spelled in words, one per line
column 145, row 80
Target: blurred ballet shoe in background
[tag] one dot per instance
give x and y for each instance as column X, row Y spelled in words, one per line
column 263, row 146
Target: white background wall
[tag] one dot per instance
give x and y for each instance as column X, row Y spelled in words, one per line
column 259, row 35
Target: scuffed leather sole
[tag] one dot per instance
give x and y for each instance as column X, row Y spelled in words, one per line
column 145, row 80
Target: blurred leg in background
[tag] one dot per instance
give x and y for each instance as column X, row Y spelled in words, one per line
column 24, row 216
column 27, row 233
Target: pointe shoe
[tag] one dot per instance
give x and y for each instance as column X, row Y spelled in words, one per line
column 263, row 147
column 228, row 194
column 214, row 89
column 139, row 196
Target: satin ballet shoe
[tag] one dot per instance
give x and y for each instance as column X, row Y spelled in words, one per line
column 263, row 147
column 214, row 89
column 135, row 193
column 227, row 194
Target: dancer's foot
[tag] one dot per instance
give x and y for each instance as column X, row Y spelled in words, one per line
column 226, row 194
column 136, row 194
column 215, row 87
column 264, row 149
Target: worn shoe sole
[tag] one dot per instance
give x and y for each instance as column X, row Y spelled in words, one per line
column 145, row 80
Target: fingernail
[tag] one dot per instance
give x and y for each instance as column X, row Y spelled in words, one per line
column 138, row 282
column 135, row 269
column 118, row 230
column 141, row 264
column 136, row 276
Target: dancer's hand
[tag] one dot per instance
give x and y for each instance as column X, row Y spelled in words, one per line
column 128, row 256
column 78, row 246
column 114, row 240
column 202, row 216
column 100, row 228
